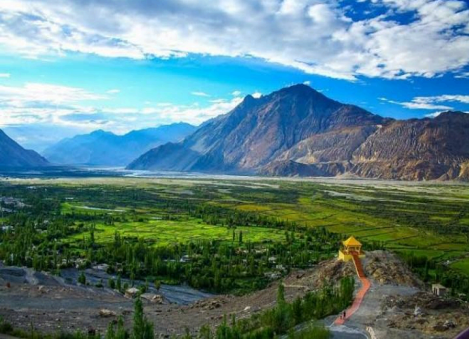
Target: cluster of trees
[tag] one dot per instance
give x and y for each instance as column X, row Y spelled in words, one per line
column 284, row 317
column 431, row 271
column 41, row 232
column 217, row 215
column 219, row 266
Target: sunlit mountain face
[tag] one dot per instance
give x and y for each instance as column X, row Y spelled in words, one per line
column 70, row 67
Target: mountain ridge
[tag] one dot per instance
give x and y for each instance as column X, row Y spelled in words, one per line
column 13, row 155
column 298, row 131
column 108, row 149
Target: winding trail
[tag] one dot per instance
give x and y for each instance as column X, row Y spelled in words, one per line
column 360, row 295
column 356, row 303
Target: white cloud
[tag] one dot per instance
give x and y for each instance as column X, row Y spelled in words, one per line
column 433, row 115
column 217, row 101
column 33, row 93
column 36, row 104
column 191, row 113
column 448, row 97
column 431, row 102
column 423, row 105
column 462, row 75
column 236, row 93
column 200, row 94
column 113, row 91
column 436, row 114
column 256, row 95
column 5, row 75
column 311, row 35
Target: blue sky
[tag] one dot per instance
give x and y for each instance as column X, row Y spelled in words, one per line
column 75, row 66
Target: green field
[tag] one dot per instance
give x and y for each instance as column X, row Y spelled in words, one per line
column 164, row 232
column 427, row 220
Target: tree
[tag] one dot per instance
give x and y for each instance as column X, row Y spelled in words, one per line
column 297, row 311
column 121, row 333
column 119, row 283
column 82, row 278
column 110, row 334
column 112, row 284
column 157, row 285
column 281, row 294
column 142, row 328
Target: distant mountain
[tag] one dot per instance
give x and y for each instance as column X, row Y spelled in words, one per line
column 297, row 131
column 257, row 132
column 12, row 155
column 108, row 149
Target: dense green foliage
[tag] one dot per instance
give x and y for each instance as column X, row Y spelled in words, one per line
column 430, row 270
column 230, row 236
column 41, row 240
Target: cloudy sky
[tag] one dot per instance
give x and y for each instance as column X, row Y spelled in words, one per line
column 73, row 66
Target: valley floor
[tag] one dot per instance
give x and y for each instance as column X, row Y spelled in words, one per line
column 240, row 222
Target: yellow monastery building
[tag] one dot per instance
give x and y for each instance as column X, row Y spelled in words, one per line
column 351, row 247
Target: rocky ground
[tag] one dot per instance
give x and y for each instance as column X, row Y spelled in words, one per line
column 389, row 307
column 397, row 306
column 426, row 313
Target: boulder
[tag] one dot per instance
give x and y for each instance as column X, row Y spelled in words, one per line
column 418, row 311
column 153, row 298
column 105, row 313
column 449, row 324
column 132, row 292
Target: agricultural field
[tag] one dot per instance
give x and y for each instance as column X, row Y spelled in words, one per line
column 423, row 222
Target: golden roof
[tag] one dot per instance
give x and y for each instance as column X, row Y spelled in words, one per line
column 351, row 242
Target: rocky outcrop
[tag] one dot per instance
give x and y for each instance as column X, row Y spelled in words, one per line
column 417, row 149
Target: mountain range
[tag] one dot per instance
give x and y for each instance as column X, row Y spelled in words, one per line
column 298, row 131
column 12, row 155
column 108, row 149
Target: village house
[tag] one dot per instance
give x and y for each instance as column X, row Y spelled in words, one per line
column 440, row 290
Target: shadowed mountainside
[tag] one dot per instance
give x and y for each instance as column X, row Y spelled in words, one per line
column 12, row 155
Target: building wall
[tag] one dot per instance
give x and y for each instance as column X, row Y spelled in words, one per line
column 347, row 257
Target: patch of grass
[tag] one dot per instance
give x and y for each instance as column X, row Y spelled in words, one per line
column 461, row 265
column 164, row 232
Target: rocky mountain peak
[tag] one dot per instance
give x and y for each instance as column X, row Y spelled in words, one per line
column 299, row 131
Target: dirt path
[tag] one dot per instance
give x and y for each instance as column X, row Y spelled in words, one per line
column 368, row 313
column 356, row 302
